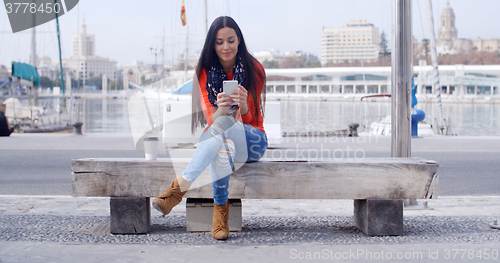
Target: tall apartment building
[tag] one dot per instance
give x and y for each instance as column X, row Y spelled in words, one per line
column 83, row 60
column 83, row 44
column 356, row 40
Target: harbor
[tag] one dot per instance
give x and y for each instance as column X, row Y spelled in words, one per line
column 110, row 115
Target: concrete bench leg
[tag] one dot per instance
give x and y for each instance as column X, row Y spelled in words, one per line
column 199, row 214
column 130, row 215
column 379, row 217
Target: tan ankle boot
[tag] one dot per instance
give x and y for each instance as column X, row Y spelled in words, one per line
column 220, row 226
column 172, row 196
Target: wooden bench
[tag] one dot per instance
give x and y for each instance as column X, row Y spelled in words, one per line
column 377, row 186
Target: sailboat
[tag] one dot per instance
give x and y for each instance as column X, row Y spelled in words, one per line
column 32, row 118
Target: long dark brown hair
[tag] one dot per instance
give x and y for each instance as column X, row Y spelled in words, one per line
column 208, row 58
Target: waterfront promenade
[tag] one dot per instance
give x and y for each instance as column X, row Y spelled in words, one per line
column 41, row 222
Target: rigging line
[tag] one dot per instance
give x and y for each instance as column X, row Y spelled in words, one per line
column 52, row 41
column 16, row 50
column 2, row 43
column 174, row 24
column 3, row 28
column 421, row 23
column 40, row 40
column 437, row 15
column 16, row 47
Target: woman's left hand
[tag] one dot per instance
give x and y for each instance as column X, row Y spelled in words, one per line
column 240, row 96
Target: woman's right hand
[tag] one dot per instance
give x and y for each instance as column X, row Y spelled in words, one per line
column 224, row 102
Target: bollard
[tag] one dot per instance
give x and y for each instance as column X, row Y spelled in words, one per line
column 416, row 117
column 353, row 129
column 77, row 128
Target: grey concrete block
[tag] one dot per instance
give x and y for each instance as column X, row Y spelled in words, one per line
column 379, row 217
column 199, row 214
column 130, row 215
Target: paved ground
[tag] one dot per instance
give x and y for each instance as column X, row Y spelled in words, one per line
column 57, row 252
column 63, row 228
column 40, row 222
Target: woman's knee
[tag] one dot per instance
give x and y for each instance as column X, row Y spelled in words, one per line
column 223, row 123
column 226, row 152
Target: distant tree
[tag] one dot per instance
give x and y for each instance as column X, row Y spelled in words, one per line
column 56, row 83
column 315, row 64
column 330, row 64
column 293, row 62
column 95, row 81
column 472, row 58
column 383, row 45
column 147, row 82
column 111, row 85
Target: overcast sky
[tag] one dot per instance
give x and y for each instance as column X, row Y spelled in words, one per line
column 125, row 29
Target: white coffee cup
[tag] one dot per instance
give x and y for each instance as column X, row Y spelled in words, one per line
column 151, row 148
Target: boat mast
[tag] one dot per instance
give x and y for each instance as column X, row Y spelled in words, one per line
column 33, row 48
column 59, row 43
column 435, row 71
column 33, row 95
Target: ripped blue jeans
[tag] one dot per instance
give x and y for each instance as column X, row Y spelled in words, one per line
column 226, row 145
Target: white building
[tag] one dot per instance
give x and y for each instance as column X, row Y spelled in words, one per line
column 88, row 67
column 458, row 82
column 83, row 44
column 83, row 60
column 133, row 71
column 137, row 72
column 486, row 45
column 356, row 40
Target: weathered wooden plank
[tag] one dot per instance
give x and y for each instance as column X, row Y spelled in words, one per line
column 130, row 215
column 379, row 217
column 376, row 178
column 127, row 177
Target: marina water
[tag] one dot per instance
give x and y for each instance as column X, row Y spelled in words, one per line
column 467, row 119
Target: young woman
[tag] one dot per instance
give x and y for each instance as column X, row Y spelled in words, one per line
column 236, row 133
